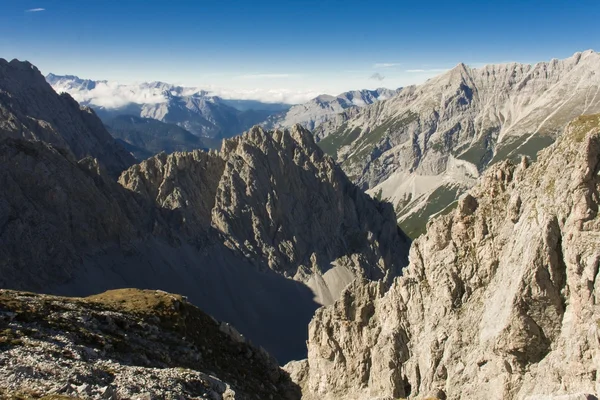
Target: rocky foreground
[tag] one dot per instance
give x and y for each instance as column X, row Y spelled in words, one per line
column 128, row 344
column 499, row 301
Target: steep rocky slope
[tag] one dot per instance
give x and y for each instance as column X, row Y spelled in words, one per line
column 428, row 144
column 31, row 109
column 128, row 344
column 499, row 301
column 325, row 107
column 229, row 229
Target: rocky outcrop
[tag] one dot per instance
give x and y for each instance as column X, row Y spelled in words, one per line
column 128, row 344
column 428, row 144
column 499, row 300
column 275, row 198
column 31, row 109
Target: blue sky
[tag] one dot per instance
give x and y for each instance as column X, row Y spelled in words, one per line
column 301, row 47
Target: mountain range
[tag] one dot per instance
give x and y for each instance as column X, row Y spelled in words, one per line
column 428, row 144
column 325, row 107
column 287, row 240
column 258, row 234
column 193, row 109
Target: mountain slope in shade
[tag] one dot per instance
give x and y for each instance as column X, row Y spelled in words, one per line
column 31, row 109
column 424, row 147
column 325, row 107
column 148, row 137
column 127, row 343
column 258, row 234
column 499, row 301
column 193, row 109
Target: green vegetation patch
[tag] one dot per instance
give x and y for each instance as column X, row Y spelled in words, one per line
column 481, row 152
column 582, row 125
column 514, row 149
column 440, row 199
column 338, row 139
column 366, row 144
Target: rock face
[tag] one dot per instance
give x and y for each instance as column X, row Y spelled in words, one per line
column 325, row 107
column 31, row 109
column 259, row 234
column 129, row 344
column 275, row 198
column 499, row 301
column 428, row 144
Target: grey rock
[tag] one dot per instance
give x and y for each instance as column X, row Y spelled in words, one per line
column 324, row 108
column 129, row 363
column 31, row 109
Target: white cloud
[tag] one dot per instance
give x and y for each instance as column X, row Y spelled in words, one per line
column 114, row 95
column 288, row 96
column 385, row 65
column 427, row 70
column 377, row 76
column 35, row 10
column 266, row 76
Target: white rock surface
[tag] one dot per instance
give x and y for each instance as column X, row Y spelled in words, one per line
column 128, row 344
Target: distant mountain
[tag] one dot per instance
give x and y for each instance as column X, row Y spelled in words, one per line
column 324, row 107
column 145, row 137
column 193, row 109
column 30, row 109
column 424, row 147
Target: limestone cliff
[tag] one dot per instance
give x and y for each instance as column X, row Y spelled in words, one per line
column 499, row 301
column 278, row 200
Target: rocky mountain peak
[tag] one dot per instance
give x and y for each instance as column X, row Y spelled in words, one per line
column 31, row 109
column 427, row 145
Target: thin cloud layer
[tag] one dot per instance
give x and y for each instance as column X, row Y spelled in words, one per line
column 35, row 10
column 377, row 76
column 266, row 76
column 385, row 65
column 427, row 70
column 113, row 95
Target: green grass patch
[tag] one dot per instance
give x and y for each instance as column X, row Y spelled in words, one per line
column 440, row 199
column 366, row 144
column 481, row 152
column 514, row 149
column 338, row 139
